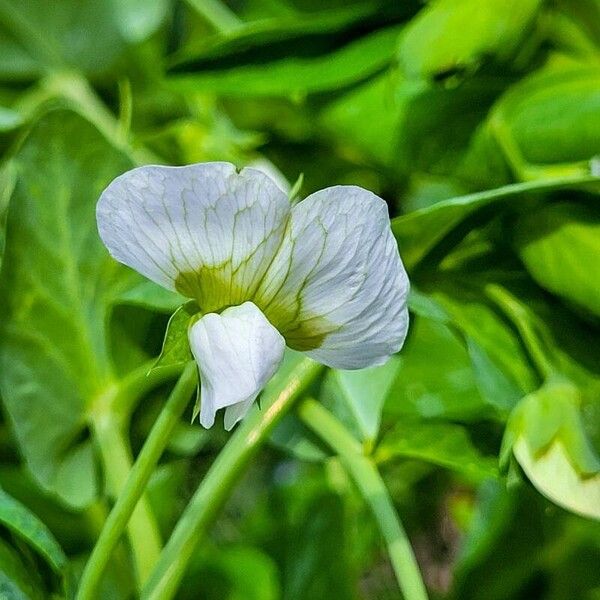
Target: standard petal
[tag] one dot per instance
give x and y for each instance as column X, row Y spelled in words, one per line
column 237, row 352
column 204, row 230
column 337, row 288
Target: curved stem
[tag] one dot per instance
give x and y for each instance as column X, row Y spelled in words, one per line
column 116, row 456
column 136, row 483
column 371, row 486
column 221, row 478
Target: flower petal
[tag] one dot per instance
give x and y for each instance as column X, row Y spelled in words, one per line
column 237, row 352
column 203, row 230
column 337, row 288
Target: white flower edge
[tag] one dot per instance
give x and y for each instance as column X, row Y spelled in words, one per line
column 325, row 273
column 190, row 228
column 237, row 352
column 338, row 280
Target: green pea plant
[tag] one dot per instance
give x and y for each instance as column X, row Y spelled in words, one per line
column 381, row 381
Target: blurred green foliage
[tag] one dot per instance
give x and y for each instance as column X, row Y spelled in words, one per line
column 478, row 122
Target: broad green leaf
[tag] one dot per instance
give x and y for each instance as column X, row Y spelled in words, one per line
column 56, row 287
column 423, row 232
column 500, row 364
column 357, row 397
column 546, row 435
column 290, row 75
column 367, row 117
column 250, row 573
column 453, row 36
column 176, row 346
column 268, row 37
column 309, row 546
column 435, row 379
column 16, row 580
column 409, row 127
column 586, row 14
column 24, row 524
column 444, row 444
column 560, row 246
column 151, row 296
column 36, row 36
column 551, row 118
column 573, row 351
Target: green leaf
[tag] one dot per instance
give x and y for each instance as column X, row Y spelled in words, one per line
column 547, row 437
column 307, row 547
column 368, row 118
column 56, row 287
column 560, row 246
column 437, row 228
column 138, row 19
column 290, row 75
column 24, row 524
column 251, row 574
column 35, row 36
column 357, row 397
column 553, row 475
column 453, row 36
column 16, row 580
column 444, row 444
column 151, row 296
column 9, row 119
column 435, row 378
column 407, row 126
column 501, row 366
column 176, row 346
column 551, row 118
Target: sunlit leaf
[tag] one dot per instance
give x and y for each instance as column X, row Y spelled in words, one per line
column 24, row 524
column 422, row 232
column 290, row 75
column 453, row 36
column 443, row 444
column 357, row 397
column 16, row 580
column 560, row 246
column 57, row 283
column 546, row 435
column 435, row 378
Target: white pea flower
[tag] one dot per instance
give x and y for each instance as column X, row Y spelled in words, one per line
column 323, row 276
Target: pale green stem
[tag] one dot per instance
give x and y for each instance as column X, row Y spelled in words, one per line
column 109, row 418
column 372, row 488
column 221, row 479
column 136, row 483
column 117, row 460
column 125, row 109
column 514, row 310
